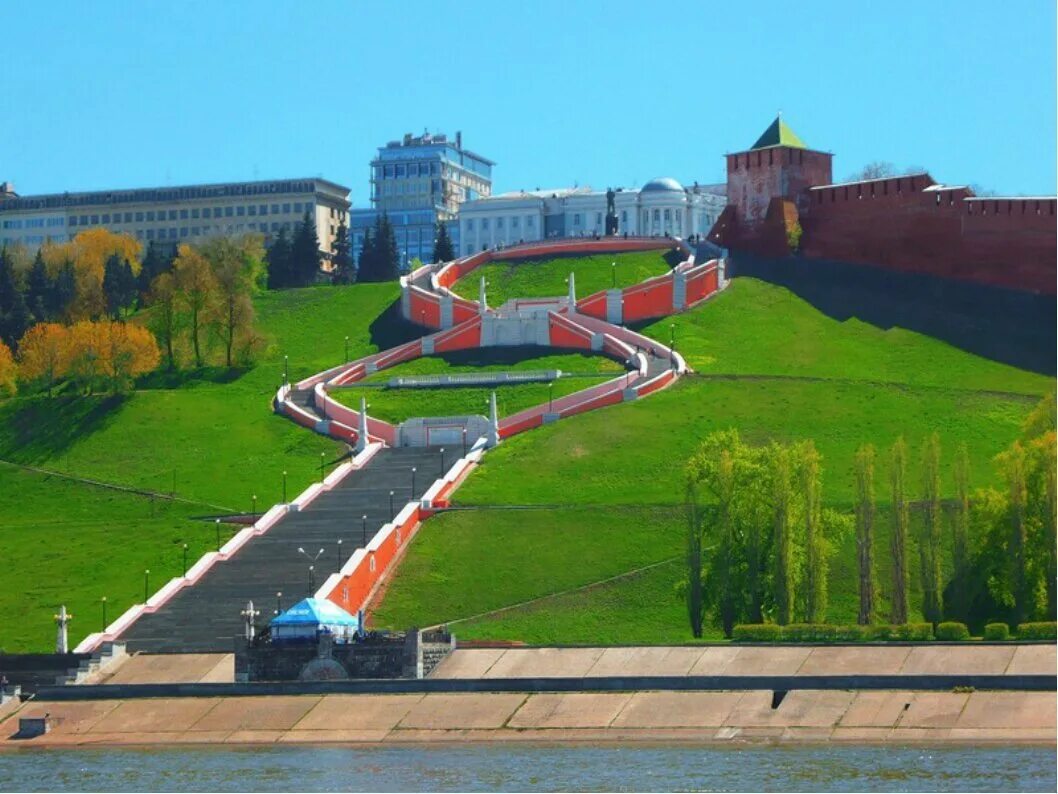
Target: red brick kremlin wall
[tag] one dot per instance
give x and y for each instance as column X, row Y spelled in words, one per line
column 902, row 223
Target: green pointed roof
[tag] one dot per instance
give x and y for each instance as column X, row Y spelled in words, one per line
column 778, row 134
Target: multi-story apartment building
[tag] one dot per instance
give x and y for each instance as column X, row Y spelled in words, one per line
column 661, row 207
column 418, row 181
column 171, row 215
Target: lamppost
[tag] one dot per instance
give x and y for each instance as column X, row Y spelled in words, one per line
column 253, row 499
column 185, row 560
column 550, row 395
column 146, row 584
column 442, row 461
column 104, row 601
column 323, row 457
column 363, row 525
column 464, row 441
column 339, row 554
column 392, row 512
column 284, row 487
column 216, row 523
column 613, row 266
column 347, row 348
column 279, row 602
column 672, row 343
column 312, row 567
column 286, row 370
column 413, row 482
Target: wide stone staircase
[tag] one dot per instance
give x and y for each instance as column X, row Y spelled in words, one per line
column 206, row 617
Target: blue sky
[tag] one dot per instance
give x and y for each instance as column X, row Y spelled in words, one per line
column 135, row 94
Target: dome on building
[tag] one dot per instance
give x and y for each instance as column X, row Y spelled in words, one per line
column 666, row 183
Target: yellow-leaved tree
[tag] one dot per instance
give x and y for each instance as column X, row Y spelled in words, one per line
column 88, row 252
column 7, row 371
column 126, row 351
column 196, row 288
column 44, row 354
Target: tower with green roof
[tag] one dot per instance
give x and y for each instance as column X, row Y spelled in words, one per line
column 767, row 185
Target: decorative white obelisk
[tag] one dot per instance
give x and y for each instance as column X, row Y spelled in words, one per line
column 572, row 295
column 62, row 620
column 483, row 305
column 361, row 429
column 494, row 421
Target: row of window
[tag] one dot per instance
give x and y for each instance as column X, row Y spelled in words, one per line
column 171, row 233
column 402, row 170
column 515, row 220
column 193, row 213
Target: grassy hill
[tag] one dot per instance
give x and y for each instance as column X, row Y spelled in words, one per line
column 545, row 278
column 395, row 405
column 209, row 437
column 603, row 489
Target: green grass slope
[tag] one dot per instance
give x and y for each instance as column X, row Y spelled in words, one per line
column 545, row 278
column 213, row 438
column 768, row 364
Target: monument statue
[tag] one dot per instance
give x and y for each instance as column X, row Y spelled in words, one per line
column 611, row 213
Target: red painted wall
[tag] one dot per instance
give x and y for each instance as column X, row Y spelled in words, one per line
column 425, row 309
column 593, row 305
column 460, row 338
column 653, row 299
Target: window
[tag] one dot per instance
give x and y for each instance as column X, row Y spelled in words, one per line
column 275, row 209
column 139, row 217
column 499, row 223
column 251, row 210
column 150, row 234
column 657, row 216
column 183, row 215
column 668, row 216
column 195, row 212
column 401, row 171
column 240, row 211
column 106, row 218
column 286, row 209
column 228, row 212
column 195, row 230
column 172, row 233
column 263, row 209
column 514, row 222
column 297, row 207
column 598, row 218
column 624, row 217
column 530, row 221
column 484, row 224
column 183, row 231
column 128, row 217
column 150, row 215
column 576, row 219
column 95, row 220
column 172, row 215
column 470, row 225
column 73, row 221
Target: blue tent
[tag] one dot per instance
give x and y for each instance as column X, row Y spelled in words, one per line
column 312, row 616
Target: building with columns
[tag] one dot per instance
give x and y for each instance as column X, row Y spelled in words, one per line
column 661, row 207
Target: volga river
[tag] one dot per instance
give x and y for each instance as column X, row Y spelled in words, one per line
column 531, row 768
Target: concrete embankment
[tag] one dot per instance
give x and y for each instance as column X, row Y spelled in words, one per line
column 701, row 717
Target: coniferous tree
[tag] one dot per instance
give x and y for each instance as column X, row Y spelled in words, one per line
column 119, row 285
column 305, row 252
column 279, row 262
column 865, row 532
column 366, row 267
column 155, row 262
column 65, row 291
column 386, row 247
column 898, row 541
column 929, row 542
column 342, row 258
column 39, row 289
column 442, row 249
column 15, row 316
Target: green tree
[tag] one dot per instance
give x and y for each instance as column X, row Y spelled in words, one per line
column 929, row 539
column 442, row 248
column 367, row 266
column 196, row 288
column 865, row 533
column 899, row 539
column 783, row 577
column 1013, row 464
column 695, row 600
column 15, row 316
column 342, row 258
column 65, row 291
column 40, row 290
column 278, row 260
column 163, row 319
column 119, row 285
column 957, row 598
column 305, row 252
column 155, row 262
column 816, row 563
column 236, row 271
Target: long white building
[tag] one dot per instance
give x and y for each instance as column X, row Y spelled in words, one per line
column 661, row 207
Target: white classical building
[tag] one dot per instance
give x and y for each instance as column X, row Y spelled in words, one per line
column 661, row 207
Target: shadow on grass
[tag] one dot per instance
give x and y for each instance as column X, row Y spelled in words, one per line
column 389, row 329
column 174, row 379
column 35, row 429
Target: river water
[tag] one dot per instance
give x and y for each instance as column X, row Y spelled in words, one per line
column 489, row 767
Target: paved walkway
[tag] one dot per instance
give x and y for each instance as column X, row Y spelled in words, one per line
column 700, row 717
column 963, row 659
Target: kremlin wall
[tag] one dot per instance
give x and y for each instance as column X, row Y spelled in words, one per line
column 908, row 223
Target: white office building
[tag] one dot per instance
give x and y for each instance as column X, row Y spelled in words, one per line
column 661, row 207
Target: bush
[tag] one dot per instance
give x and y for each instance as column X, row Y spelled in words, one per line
column 997, row 631
column 1037, row 631
column 952, row 632
column 757, row 632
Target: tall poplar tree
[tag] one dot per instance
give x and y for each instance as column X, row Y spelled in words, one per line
column 898, row 539
column 929, row 540
column 958, row 600
column 783, row 578
column 865, row 533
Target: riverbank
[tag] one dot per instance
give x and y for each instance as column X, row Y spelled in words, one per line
column 724, row 717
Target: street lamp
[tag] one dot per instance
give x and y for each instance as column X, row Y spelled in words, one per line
column 442, row 461
column 185, row 560
column 279, row 602
column 347, row 348
column 312, row 567
column 312, row 579
column 146, row 584
column 413, row 482
column 284, row 487
column 613, row 265
column 216, row 523
column 104, row 600
column 323, row 457
column 464, row 441
column 392, row 512
column 363, row 524
column 339, row 554
column 286, row 369
column 550, row 395
column 253, row 499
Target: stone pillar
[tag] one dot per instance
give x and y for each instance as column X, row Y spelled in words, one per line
column 572, row 294
column 483, row 305
column 494, row 422
column 62, row 620
column 411, row 661
column 361, row 429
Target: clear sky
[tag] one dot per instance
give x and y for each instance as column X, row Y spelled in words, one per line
column 138, row 94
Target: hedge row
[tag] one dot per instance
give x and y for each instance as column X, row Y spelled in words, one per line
column 914, row 632
column 823, row 632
